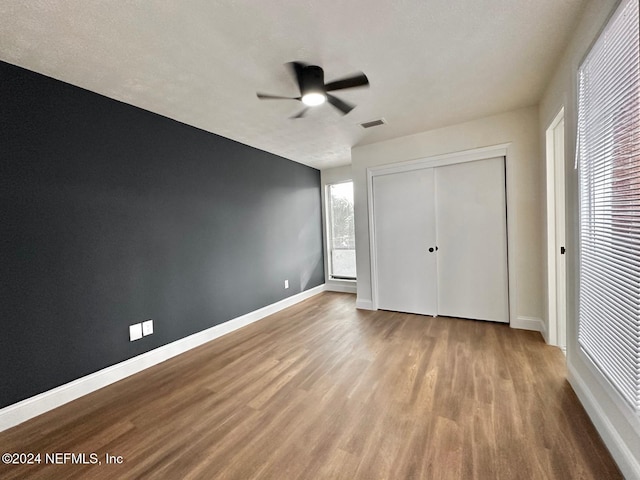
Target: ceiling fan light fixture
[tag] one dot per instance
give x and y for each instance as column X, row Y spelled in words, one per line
column 313, row 99
column 313, row 90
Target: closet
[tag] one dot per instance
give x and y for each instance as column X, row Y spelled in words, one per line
column 440, row 239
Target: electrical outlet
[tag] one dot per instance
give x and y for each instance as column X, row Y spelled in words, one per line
column 147, row 327
column 286, row 284
column 135, row 332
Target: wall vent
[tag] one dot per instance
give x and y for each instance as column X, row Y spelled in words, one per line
column 373, row 123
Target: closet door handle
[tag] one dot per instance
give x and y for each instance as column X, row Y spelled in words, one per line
column 430, row 249
column 436, row 249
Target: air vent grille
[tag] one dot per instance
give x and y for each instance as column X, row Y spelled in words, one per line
column 373, row 123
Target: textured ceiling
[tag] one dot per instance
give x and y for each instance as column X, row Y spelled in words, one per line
column 430, row 62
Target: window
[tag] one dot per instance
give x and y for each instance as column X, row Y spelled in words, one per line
column 341, row 231
column 609, row 172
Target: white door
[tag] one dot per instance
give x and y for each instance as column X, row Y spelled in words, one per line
column 556, row 269
column 472, row 240
column 561, row 297
column 404, row 217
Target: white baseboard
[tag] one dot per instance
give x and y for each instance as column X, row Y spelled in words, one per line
column 528, row 323
column 627, row 463
column 544, row 332
column 39, row 404
column 364, row 304
column 346, row 287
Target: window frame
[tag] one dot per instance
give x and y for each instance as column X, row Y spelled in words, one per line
column 608, row 178
column 329, row 232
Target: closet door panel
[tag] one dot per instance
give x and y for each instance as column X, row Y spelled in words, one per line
column 404, row 215
column 472, row 240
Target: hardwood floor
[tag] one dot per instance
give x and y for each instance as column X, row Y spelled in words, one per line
column 324, row 391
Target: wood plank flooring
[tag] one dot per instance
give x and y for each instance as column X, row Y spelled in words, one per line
column 324, row 391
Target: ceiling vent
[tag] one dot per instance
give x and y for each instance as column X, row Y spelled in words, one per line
column 373, row 123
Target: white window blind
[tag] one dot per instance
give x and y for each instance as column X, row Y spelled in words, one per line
column 609, row 171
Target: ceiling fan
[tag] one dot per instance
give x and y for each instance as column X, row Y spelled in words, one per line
column 313, row 90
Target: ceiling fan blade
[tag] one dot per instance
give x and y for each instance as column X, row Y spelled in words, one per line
column 266, row 96
column 296, row 69
column 359, row 80
column 341, row 105
column 301, row 114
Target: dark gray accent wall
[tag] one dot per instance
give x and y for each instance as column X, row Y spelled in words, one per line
column 111, row 215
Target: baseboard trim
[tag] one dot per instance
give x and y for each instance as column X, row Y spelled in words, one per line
column 24, row 410
column 627, row 462
column 528, row 323
column 544, row 331
column 341, row 287
column 364, row 304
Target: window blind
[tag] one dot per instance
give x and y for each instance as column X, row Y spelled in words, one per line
column 609, row 173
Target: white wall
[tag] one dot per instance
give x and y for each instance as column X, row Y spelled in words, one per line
column 329, row 176
column 619, row 429
column 520, row 128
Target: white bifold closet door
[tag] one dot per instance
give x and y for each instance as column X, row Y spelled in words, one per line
column 472, row 239
column 461, row 210
column 405, row 230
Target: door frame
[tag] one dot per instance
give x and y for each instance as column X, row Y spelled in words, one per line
column 475, row 154
column 556, row 234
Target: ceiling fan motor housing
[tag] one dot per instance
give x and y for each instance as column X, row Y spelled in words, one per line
column 312, row 80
